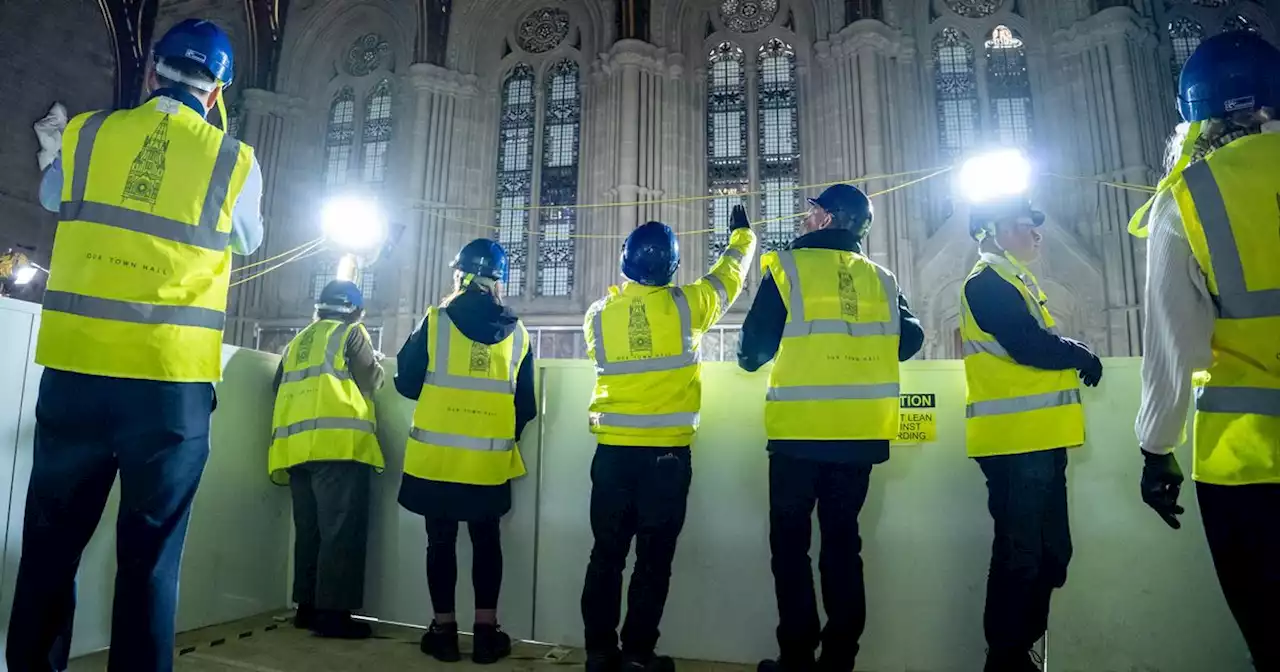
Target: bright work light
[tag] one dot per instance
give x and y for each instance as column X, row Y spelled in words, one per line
column 353, row 224
column 994, row 175
column 24, row 275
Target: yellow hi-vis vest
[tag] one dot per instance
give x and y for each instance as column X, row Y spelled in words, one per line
column 464, row 424
column 1230, row 207
column 1014, row 408
column 645, row 343
column 835, row 376
column 138, row 280
column 320, row 413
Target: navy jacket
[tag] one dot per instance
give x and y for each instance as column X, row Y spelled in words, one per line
column 762, row 335
column 482, row 319
column 1000, row 310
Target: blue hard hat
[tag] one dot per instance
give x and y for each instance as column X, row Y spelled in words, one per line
column 483, row 257
column 341, row 296
column 201, row 42
column 1230, row 72
column 847, row 199
column 651, row 254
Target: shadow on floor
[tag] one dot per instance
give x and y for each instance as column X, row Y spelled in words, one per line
column 270, row 643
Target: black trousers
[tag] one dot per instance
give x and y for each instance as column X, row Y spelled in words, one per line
column 331, row 517
column 838, row 491
column 1027, row 497
column 1242, row 524
column 442, row 562
column 88, row 429
column 638, row 492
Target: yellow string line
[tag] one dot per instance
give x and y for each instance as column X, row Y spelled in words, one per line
column 423, row 205
column 1118, row 185
column 909, row 183
column 302, row 255
column 308, row 245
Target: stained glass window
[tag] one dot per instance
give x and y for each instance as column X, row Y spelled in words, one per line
column 326, row 271
column 377, row 132
column 955, row 82
column 974, row 9
column 340, row 137
column 1239, row 22
column 1185, row 35
column 1008, row 87
column 727, row 169
column 561, row 126
column 515, row 173
column 778, row 141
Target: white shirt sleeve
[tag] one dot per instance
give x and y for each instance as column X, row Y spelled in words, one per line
column 246, row 214
column 1177, row 330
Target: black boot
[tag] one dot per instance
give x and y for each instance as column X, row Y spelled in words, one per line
column 441, row 642
column 305, row 618
column 1010, row 661
column 604, row 661
column 649, row 663
column 338, row 624
column 489, row 644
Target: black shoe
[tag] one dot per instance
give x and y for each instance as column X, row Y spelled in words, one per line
column 489, row 644
column 336, row 624
column 305, row 618
column 780, row 665
column 1010, row 661
column 649, row 663
column 833, row 662
column 604, row 661
column 441, row 642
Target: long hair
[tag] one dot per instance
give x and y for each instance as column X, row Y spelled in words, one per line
column 466, row 282
column 1215, row 133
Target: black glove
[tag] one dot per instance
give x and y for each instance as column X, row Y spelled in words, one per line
column 1161, row 483
column 738, row 219
column 1090, row 367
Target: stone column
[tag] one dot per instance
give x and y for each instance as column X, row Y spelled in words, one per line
column 441, row 141
column 861, row 122
column 268, row 119
column 1113, row 67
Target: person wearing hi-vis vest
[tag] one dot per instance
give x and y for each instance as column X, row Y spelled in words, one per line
column 152, row 203
column 836, row 325
column 644, row 338
column 1022, row 415
column 325, row 446
column 1212, row 325
column 470, row 366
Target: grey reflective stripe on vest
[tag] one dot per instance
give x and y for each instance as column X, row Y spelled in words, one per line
column 687, row 357
column 833, row 392
column 721, row 292
column 989, row 347
column 330, row 364
column 1234, row 298
column 1032, row 402
column 442, row 378
column 1239, row 400
column 130, row 311
column 797, row 325
column 733, row 254
column 460, row 440
column 324, row 423
column 204, row 235
column 646, row 421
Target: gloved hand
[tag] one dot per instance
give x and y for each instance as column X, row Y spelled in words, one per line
column 1161, row 483
column 738, row 219
column 1091, row 374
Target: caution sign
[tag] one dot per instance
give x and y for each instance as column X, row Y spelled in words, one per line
column 917, row 421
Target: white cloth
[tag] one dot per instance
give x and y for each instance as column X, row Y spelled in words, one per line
column 49, row 133
column 1177, row 328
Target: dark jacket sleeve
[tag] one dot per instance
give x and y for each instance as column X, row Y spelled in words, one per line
column 911, row 338
column 275, row 382
column 411, row 363
column 1000, row 310
column 526, row 400
column 762, row 328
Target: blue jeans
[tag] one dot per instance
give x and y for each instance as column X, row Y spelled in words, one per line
column 88, row 428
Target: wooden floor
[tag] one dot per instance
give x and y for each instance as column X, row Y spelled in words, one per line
column 271, row 644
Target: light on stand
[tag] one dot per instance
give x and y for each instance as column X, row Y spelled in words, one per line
column 994, row 175
column 25, row 274
column 353, row 225
column 347, row 267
